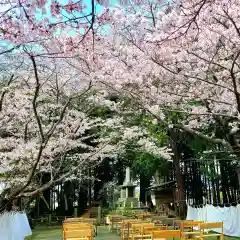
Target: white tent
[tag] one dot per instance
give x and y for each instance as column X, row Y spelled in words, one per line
column 3, row 185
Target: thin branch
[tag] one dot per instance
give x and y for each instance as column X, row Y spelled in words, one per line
column 30, row 176
column 60, row 179
column 233, row 22
column 34, row 101
column 152, row 15
column 54, row 125
column 201, row 135
column 10, row 50
column 200, row 114
column 77, row 167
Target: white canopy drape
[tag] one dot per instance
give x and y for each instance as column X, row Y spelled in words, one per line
column 230, row 216
column 14, row 226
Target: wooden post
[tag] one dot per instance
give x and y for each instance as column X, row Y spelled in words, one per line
column 75, row 211
column 49, row 218
column 99, row 215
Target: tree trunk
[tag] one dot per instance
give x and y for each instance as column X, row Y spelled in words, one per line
column 144, row 184
column 179, row 177
column 90, row 187
column 82, row 200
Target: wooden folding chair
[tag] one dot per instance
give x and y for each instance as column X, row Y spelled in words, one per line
column 187, row 231
column 92, row 221
column 75, row 226
column 204, row 227
column 126, row 226
column 77, row 234
column 160, row 235
column 115, row 222
column 135, row 232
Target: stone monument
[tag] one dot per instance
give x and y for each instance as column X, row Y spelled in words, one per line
column 128, row 200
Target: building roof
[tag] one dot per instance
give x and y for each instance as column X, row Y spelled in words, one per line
column 161, row 185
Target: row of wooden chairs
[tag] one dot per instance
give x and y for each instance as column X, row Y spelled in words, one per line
column 142, row 230
column 135, row 228
column 202, row 229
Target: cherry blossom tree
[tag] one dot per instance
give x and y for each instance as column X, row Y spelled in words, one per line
column 181, row 57
column 38, row 103
column 45, row 124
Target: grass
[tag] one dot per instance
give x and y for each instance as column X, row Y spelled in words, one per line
column 44, row 232
column 54, row 233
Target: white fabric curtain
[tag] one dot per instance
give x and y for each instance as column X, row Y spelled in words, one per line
column 230, row 216
column 14, row 226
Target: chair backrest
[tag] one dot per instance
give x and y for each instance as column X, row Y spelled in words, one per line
column 76, row 225
column 166, row 234
column 160, row 228
column 136, row 229
column 77, row 234
column 149, row 230
column 117, row 218
column 178, row 222
column 128, row 222
column 211, row 225
column 76, row 222
column 136, row 225
column 189, row 224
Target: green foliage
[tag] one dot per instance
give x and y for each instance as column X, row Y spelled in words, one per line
column 3, row 175
column 102, row 112
column 140, row 161
column 196, row 103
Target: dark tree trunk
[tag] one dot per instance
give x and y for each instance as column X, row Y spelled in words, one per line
column 144, row 184
column 179, row 177
column 82, row 200
column 96, row 189
column 90, row 187
column 69, row 193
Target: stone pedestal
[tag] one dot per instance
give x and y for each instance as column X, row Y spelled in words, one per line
column 123, row 193
column 128, row 200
